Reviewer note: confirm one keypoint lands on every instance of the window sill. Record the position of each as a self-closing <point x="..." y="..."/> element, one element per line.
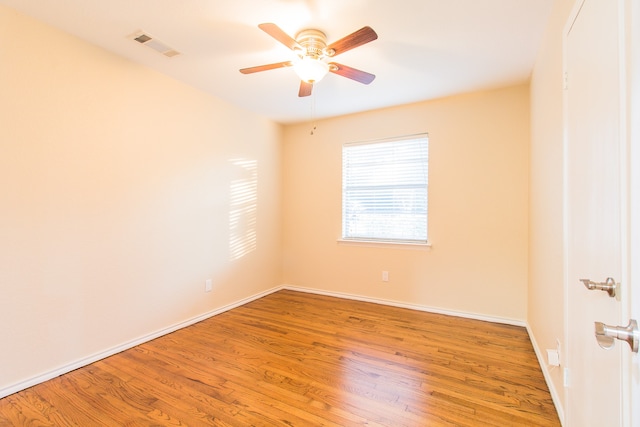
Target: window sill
<point x="383" y="244"/>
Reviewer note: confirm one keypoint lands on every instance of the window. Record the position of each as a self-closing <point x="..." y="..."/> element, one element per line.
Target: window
<point x="384" y="190"/>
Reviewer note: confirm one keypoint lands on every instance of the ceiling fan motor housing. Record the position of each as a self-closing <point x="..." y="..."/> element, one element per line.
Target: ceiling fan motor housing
<point x="314" y="42"/>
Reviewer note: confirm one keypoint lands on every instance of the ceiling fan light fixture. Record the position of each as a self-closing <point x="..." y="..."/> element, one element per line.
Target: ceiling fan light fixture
<point x="311" y="70"/>
<point x="311" y="47"/>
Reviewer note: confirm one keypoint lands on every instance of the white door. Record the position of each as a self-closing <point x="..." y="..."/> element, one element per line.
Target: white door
<point x="595" y="203"/>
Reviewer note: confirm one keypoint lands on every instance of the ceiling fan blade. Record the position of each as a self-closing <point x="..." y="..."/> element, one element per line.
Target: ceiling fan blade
<point x="276" y="32"/>
<point x="360" y="37"/>
<point x="266" y="67"/>
<point x="351" y="73"/>
<point x="305" y="88"/>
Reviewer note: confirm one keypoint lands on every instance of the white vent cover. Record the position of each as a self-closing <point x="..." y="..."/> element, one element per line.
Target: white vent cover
<point x="155" y="44"/>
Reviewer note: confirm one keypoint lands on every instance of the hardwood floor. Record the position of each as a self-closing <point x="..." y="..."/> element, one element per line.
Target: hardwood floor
<point x="296" y="359"/>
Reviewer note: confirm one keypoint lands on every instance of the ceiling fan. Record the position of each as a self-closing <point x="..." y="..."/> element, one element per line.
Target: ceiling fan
<point x="311" y="47"/>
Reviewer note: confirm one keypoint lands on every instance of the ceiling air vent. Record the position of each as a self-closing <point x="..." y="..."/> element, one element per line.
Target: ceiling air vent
<point x="153" y="43"/>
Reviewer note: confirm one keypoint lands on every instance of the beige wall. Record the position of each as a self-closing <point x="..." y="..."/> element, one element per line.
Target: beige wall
<point x="116" y="186"/>
<point x="546" y="270"/>
<point x="118" y="182"/>
<point x="478" y="207"/>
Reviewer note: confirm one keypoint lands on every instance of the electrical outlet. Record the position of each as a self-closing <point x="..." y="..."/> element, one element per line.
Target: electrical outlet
<point x="553" y="355"/>
<point x="207" y="285"/>
<point x="385" y="276"/>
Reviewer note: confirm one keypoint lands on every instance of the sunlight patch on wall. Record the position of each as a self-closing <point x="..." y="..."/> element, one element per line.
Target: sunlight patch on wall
<point x="243" y="209"/>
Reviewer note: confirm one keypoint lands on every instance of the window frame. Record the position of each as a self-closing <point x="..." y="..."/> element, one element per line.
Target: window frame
<point x="386" y="241"/>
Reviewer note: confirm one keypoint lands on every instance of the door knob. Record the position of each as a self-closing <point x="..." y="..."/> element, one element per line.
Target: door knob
<point x="609" y="286"/>
<point x="606" y="335"/>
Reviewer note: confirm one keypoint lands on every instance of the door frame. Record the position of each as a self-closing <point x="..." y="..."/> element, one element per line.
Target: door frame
<point x="631" y="383"/>
<point x="629" y="54"/>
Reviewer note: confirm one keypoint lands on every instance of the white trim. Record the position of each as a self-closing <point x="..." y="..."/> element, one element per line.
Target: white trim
<point x="14" y="388"/>
<point x="475" y="316"/>
<point x="626" y="380"/>
<point x="385" y="244"/>
<point x="633" y="141"/>
<point x="546" y="372"/>
<point x="573" y="15"/>
<point x="389" y="139"/>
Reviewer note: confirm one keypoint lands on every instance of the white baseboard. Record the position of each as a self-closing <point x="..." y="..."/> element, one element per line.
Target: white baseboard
<point x="14" y="388"/>
<point x="547" y="375"/>
<point x="493" y="319"/>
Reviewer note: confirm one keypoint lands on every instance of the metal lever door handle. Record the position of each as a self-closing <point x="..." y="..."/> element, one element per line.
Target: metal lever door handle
<point x="609" y="286"/>
<point x="606" y="335"/>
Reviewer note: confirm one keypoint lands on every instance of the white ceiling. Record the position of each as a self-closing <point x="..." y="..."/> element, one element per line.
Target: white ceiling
<point x="425" y="49"/>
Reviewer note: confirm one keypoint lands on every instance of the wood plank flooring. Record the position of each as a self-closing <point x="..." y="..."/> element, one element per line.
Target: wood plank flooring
<point x="297" y="359"/>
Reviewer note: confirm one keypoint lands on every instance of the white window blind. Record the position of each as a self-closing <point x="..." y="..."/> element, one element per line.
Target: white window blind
<point x="384" y="190"/>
